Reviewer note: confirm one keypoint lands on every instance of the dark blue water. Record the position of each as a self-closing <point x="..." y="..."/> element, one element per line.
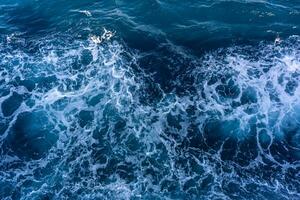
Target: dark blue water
<point x="152" y="99"/>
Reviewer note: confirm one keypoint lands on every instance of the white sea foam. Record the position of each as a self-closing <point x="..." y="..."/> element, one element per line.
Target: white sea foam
<point x="111" y="144"/>
<point x="291" y="62"/>
<point x="85" y="12"/>
<point x="107" y="35"/>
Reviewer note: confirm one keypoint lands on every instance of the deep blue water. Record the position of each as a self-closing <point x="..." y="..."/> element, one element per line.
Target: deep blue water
<point x="150" y="99"/>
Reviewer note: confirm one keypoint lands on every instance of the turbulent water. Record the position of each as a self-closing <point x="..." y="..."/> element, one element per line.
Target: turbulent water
<point x="152" y="99"/>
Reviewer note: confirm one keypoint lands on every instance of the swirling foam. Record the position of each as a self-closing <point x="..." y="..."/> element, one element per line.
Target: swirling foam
<point x="73" y="124"/>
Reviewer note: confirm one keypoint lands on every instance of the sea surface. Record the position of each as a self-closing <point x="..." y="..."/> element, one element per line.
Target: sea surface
<point x="150" y="99"/>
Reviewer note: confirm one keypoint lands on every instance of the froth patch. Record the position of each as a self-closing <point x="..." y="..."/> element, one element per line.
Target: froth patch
<point x="107" y="35"/>
<point x="291" y="62"/>
<point x="92" y="127"/>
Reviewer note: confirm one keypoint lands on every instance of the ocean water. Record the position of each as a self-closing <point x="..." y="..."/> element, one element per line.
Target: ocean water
<point x="152" y="99"/>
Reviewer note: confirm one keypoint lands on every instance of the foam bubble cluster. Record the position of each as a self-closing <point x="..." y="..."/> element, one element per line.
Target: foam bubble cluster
<point x="74" y="123"/>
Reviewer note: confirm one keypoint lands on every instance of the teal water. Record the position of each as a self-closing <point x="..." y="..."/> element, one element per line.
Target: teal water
<point x="152" y="99"/>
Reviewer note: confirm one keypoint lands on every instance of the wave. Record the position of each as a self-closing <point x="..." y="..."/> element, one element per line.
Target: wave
<point x="76" y="122"/>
